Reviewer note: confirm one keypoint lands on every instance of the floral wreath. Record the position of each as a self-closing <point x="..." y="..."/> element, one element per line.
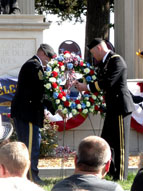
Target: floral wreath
<point x="65" y="68"/>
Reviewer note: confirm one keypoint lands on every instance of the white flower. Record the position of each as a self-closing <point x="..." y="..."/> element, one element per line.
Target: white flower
<point x="47" y="86"/>
<point x="85" y="111"/>
<point x="86" y="98"/>
<point x="94" y="97"/>
<point x="67" y="55"/>
<point x="60" y="107"/>
<point x="56" y="70"/>
<point x="63" y="98"/>
<point x="55" y="62"/>
<point x="101" y="98"/>
<point x="86" y="70"/>
<point x="52" y="79"/>
<point x="51" y="62"/>
<point x="94" y="77"/>
<point x="88" y="104"/>
<point x="57" y="101"/>
<point x="91" y="109"/>
<point x="65" y="111"/>
<point x="74" y="111"/>
<point x="78" y="106"/>
<point x="48" y="73"/>
<point x="63" y="68"/>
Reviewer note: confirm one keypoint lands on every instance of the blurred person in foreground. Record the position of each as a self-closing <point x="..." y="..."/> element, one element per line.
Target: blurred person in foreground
<point x="14" y="160"/>
<point x="92" y="163"/>
<point x="112" y="80"/>
<point x="28" y="104"/>
<point x="18" y="184"/>
<point x="138" y="180"/>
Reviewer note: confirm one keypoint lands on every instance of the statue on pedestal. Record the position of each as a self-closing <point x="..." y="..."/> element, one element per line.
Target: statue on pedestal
<point x="9" y="7"/>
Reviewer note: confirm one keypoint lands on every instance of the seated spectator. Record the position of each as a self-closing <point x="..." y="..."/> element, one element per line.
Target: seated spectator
<point x="138" y="180"/>
<point x="14" y="160"/>
<point x="18" y="184"/>
<point x="91" y="165"/>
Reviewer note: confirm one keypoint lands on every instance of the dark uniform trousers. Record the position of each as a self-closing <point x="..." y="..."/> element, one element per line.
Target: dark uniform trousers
<point x="27" y="110"/>
<point x="112" y="79"/>
<point x="116" y="131"/>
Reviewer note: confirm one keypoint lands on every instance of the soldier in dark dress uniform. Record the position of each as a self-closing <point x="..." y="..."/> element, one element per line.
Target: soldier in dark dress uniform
<point x="27" y="108"/>
<point x="112" y="79"/>
<point x="9" y="7"/>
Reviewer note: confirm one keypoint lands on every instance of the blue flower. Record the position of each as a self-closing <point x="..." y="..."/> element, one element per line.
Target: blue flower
<point x="60" y="58"/>
<point x="86" y="95"/>
<point x="88" y="78"/>
<point x="73" y="105"/>
<point x="48" y="69"/>
<point x="83" y="105"/>
<point x="68" y="97"/>
<point x="87" y="64"/>
<point x="69" y="66"/>
<point x="55" y="95"/>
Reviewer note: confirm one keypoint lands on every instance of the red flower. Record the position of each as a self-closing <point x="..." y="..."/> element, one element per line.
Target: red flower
<point x="86" y="92"/>
<point x="96" y="108"/>
<point x="60" y="88"/>
<point x="55" y="74"/>
<point x="60" y="95"/>
<point x="91" y="72"/>
<point x="54" y="56"/>
<point x="80" y="110"/>
<point x="96" y="93"/>
<point x="77" y="101"/>
<point x="60" y="63"/>
<point x="54" y="84"/>
<point x="66" y="103"/>
<point x="9" y="115"/>
<point x="65" y="52"/>
<point x="81" y="63"/>
<point x="91" y="100"/>
<point x="64" y="93"/>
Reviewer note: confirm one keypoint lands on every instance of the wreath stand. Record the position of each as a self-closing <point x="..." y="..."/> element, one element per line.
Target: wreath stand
<point x="64" y="130"/>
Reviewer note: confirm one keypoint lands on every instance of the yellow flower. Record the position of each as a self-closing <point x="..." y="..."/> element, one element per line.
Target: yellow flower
<point x="139" y="53"/>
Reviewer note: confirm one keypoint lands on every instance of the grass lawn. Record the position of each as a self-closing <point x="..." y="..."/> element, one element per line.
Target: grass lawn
<point x="126" y="184"/>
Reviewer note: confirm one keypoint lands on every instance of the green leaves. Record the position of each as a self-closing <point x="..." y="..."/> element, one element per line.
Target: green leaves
<point x="66" y="10"/>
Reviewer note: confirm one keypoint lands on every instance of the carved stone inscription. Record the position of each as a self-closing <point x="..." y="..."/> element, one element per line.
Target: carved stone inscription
<point x="13" y="54"/>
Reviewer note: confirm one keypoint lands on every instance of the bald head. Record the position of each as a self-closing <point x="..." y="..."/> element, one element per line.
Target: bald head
<point x="93" y="153"/>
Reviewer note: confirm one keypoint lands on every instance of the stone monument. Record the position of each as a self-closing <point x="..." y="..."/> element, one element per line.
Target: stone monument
<point x="20" y="36"/>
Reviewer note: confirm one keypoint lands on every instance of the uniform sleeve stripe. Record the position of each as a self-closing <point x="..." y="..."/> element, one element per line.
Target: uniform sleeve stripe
<point x="97" y="86"/>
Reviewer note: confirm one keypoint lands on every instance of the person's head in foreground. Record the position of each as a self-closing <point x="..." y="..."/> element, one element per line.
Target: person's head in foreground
<point x="18" y="184"/>
<point x="94" y="156"/>
<point x="98" y="48"/>
<point x="91" y="164"/>
<point x="14" y="160"/>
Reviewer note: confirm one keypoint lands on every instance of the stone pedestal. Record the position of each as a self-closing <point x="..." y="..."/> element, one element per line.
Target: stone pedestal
<point x="20" y="36"/>
<point x="27" y="6"/>
<point x="129" y="34"/>
<point x="125" y="33"/>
